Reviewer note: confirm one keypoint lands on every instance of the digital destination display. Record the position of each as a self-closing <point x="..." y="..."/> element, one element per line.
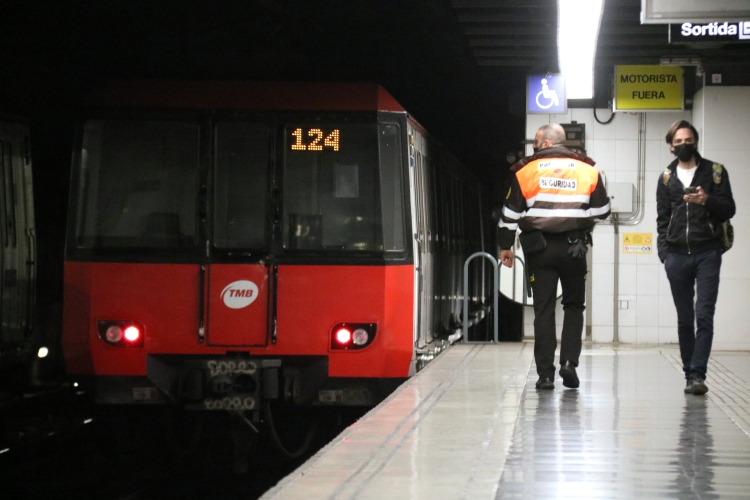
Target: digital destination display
<point x="315" y="139"/>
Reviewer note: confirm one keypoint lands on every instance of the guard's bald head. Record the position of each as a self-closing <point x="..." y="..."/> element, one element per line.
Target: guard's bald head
<point x="553" y="132"/>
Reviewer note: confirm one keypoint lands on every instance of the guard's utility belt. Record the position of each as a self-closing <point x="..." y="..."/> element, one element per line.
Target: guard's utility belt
<point x="535" y="241"/>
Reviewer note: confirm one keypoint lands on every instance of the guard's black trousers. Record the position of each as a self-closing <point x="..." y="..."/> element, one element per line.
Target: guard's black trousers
<point x="547" y="266"/>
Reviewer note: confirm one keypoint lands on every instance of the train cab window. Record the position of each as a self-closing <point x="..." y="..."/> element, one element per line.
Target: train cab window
<point x="241" y="185"/>
<point x="333" y="178"/>
<point x="138" y="184"/>
<point x="392" y="191"/>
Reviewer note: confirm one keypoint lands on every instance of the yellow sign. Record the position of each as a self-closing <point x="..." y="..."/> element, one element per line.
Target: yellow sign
<point x="644" y="88"/>
<point x="637" y="243"/>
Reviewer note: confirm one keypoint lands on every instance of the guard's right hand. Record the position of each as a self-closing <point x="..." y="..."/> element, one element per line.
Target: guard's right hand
<point x="506" y="257"/>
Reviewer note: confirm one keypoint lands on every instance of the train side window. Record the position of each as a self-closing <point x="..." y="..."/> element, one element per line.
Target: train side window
<point x="9" y="195"/>
<point x="241" y="185"/>
<point x="138" y="184"/>
<point x="392" y="192"/>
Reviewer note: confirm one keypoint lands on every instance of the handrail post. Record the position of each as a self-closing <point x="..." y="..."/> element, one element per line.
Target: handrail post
<point x="495" y="288"/>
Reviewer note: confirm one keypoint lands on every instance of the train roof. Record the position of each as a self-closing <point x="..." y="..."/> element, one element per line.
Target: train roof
<point x="249" y="95"/>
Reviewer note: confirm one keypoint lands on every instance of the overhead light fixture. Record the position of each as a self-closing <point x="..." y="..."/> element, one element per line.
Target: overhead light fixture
<point x="577" y="32"/>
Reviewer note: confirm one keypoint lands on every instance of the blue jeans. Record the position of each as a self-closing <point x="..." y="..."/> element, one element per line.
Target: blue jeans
<point x="686" y="274"/>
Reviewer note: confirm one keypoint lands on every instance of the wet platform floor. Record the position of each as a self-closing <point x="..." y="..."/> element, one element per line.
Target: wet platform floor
<point x="472" y="425"/>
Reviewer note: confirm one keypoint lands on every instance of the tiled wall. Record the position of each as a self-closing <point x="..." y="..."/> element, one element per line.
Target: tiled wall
<point x="722" y="117"/>
<point x="646" y="313"/>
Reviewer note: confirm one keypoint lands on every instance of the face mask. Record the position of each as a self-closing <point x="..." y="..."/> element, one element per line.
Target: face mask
<point x="684" y="151"/>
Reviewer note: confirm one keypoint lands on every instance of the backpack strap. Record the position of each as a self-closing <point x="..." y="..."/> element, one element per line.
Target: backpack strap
<point x="666" y="175"/>
<point x="718" y="169"/>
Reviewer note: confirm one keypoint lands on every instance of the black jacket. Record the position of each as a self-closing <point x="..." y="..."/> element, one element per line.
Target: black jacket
<point x="688" y="228"/>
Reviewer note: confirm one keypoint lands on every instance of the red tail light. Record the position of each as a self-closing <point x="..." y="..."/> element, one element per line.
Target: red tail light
<point x="343" y="336"/>
<point x="132" y="334"/>
<point x="352" y="336"/>
<point x="118" y="333"/>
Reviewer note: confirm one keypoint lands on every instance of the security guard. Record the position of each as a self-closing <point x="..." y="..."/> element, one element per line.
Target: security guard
<point x="555" y="195"/>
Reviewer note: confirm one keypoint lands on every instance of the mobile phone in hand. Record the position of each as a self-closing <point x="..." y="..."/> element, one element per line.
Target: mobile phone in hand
<point x="691" y="189"/>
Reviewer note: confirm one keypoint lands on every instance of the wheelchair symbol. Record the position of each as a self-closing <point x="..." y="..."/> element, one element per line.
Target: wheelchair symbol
<point x="547" y="93"/>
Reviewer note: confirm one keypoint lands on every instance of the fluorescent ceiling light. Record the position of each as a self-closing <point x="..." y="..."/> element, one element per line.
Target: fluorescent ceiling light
<point x="577" y="31"/>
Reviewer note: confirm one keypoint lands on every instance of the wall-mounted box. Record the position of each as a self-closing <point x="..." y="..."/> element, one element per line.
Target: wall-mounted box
<point x="622" y="196"/>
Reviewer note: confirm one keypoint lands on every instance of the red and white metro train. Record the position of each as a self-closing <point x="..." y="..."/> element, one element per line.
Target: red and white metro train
<point x="231" y="244"/>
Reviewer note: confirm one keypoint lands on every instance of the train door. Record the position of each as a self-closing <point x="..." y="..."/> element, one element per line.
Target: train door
<point x="237" y="274"/>
<point x="422" y="266"/>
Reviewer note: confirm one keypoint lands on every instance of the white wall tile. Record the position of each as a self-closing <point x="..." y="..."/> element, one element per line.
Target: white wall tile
<point x="627" y="334"/>
<point x="725" y="127"/>
<point x="603" y="249"/>
<point x="627" y="125"/>
<point x="648" y="311"/>
<point x="629" y="176"/>
<point x="560" y="118"/>
<point x="648" y="335"/>
<point x="729" y="320"/>
<point x="668" y="335"/>
<point x="628" y="284"/>
<point x="734" y="263"/>
<point x="602" y="333"/>
<point x="602" y="279"/>
<point x="627" y="155"/>
<point x="653" y="157"/>
<point x="606" y="156"/>
<point x="627" y="317"/>
<point x="601" y="310"/>
<point x="648" y="279"/>
<point x="648" y="223"/>
<point x="608" y="131"/>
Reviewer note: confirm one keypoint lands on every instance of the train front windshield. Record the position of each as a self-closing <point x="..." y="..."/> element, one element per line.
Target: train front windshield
<point x="335" y="196"/>
<point x="341" y="186"/>
<point x="138" y="185"/>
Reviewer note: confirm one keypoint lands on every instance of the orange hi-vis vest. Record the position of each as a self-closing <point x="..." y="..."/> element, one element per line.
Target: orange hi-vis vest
<point x="557" y="179"/>
<point x="555" y="195"/>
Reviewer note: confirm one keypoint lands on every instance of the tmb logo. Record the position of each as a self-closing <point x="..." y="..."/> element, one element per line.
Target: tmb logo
<point x="239" y="294"/>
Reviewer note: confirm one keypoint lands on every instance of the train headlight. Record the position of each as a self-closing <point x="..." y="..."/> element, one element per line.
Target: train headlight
<point x="352" y="336"/>
<point x="360" y="336"/>
<point x="113" y="334"/>
<point x="119" y="333"/>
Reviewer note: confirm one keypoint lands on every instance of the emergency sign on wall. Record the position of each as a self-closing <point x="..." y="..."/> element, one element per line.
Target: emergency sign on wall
<point x="546" y="94"/>
<point x="648" y="88"/>
<point x="637" y="243"/>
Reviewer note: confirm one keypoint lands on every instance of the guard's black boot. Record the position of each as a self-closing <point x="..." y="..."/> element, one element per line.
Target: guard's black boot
<point x="569" y="375"/>
<point x="545" y="383"/>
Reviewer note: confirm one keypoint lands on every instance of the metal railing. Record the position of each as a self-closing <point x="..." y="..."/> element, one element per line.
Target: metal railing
<point x="466" y="298"/>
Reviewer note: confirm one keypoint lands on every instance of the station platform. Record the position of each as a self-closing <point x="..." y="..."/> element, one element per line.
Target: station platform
<point x="471" y="425"/>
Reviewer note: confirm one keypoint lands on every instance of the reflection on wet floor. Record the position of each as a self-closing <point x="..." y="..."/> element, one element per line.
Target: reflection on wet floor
<point x="473" y="426"/>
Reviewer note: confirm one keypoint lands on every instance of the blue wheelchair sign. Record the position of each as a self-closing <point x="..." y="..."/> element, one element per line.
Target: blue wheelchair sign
<point x="546" y="94"/>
